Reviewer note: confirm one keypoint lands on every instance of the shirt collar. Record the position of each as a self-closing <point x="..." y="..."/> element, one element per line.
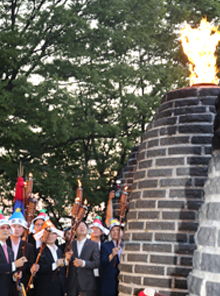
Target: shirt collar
<point x="82" y="241"/>
<point x="17" y="243"/>
<point x="52" y="249"/>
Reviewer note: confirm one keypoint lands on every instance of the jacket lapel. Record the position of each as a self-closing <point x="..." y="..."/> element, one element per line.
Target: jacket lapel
<point x="10" y="254"/>
<point x="49" y="255"/>
<point x="84" y="248"/>
<point x="20" y="249"/>
<point x="2" y="254"/>
<point x="74" y="248"/>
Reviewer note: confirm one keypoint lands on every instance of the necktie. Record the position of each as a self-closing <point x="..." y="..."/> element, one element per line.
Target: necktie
<point x="6" y="252"/>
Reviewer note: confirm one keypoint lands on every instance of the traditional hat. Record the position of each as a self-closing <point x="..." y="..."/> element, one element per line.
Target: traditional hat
<point x="114" y="222"/>
<point x="98" y="223"/>
<point x="3" y="221"/>
<point x="52" y="228"/>
<point x="147" y="292"/>
<point x="42" y="216"/>
<point x="18" y="218"/>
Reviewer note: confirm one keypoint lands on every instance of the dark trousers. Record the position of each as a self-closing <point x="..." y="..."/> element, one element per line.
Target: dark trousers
<point x="77" y="291"/>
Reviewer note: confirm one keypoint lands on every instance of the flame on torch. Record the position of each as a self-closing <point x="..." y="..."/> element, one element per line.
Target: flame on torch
<point x="200" y="45"/>
<point x="79" y="183"/>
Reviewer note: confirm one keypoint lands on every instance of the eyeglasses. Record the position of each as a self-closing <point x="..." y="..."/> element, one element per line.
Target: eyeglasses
<point x="3" y="227"/>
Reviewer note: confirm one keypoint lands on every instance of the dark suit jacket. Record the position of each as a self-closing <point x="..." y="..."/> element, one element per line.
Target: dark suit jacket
<point x="98" y="279"/>
<point x="29" y="254"/>
<point x="31" y="240"/>
<point x="7" y="285"/>
<point x="84" y="275"/>
<point x="45" y="286"/>
<point x="109" y="279"/>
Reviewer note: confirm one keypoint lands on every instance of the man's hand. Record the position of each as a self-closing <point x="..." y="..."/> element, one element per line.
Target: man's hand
<point x="115" y="251"/>
<point x="60" y="262"/>
<point x="17" y="275"/>
<point x="68" y="255"/>
<point x="111" y="194"/>
<point x="35" y="268"/>
<point x="77" y="262"/>
<point x="20" y="262"/>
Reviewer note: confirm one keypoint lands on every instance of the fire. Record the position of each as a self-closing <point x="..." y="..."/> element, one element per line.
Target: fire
<point x="200" y="45"/>
<point x="85" y="202"/>
<point x="79" y="183"/>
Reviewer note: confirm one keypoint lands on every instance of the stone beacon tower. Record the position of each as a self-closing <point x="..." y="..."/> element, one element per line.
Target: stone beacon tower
<point x="204" y="280"/>
<point x="167" y="191"/>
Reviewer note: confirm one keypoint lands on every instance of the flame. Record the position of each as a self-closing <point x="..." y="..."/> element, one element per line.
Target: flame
<point x="200" y="45"/>
<point x="35" y="196"/>
<point x="30" y="176"/>
<point x="79" y="183"/>
<point x="77" y="199"/>
<point x="126" y="188"/>
<point x="85" y="202"/>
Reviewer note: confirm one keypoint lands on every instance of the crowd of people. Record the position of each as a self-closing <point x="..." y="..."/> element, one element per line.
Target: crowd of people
<point x="88" y="267"/>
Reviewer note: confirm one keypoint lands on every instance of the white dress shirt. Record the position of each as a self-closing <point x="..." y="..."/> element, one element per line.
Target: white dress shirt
<point x="15" y="247"/>
<point x="53" y="251"/>
<point x="80" y="246"/>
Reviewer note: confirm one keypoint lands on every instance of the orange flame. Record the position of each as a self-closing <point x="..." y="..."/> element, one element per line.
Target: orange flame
<point x="77" y="199"/>
<point x="79" y="183"/>
<point x="200" y="45"/>
<point x="126" y="188"/>
<point x="85" y="202"/>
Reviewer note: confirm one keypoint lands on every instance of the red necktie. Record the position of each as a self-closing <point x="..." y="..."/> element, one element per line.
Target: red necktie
<point x="6" y="252"/>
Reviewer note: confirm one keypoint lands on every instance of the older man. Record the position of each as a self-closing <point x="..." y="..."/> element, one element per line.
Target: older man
<point x="7" y="264"/>
<point x="19" y="224"/>
<point x="85" y="258"/>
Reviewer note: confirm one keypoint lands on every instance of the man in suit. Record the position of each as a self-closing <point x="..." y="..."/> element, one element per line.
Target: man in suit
<point x="50" y="260"/>
<point x="85" y="258"/>
<point x="98" y="229"/>
<point x="7" y="264"/>
<point x="110" y="258"/>
<point x="15" y="242"/>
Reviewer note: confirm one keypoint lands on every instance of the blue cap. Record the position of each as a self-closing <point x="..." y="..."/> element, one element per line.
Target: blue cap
<point x="18" y="218"/>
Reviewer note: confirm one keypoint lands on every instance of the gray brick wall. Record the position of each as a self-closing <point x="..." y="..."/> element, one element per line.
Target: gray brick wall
<point x="166" y="193"/>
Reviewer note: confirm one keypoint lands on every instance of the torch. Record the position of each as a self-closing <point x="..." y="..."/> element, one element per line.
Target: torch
<point x="79" y="192"/>
<point x="44" y="241"/>
<point x="30" y="215"/>
<point x="123" y="208"/>
<point x="27" y="193"/>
